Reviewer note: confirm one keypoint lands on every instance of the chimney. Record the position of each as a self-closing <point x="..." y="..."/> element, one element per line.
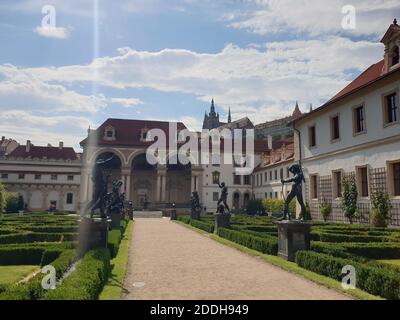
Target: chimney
<point x="28" y="145"/>
<point x="61" y="145"/>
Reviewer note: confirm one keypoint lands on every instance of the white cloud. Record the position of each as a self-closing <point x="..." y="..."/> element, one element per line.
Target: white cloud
<point x="275" y="74"/>
<point x="42" y="129"/>
<point x="126" y="102"/>
<point x="53" y="32"/>
<point x="314" y="17"/>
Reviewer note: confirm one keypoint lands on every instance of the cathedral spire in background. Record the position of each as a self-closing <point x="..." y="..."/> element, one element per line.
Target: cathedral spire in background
<point x="229" y="115"/>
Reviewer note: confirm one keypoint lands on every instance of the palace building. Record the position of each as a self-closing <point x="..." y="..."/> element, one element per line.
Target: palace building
<point x="45" y="176"/>
<point x="357" y="132"/>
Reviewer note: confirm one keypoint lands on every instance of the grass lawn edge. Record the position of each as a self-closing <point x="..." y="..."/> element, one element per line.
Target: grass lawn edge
<point x="288" y="266"/>
<point x="113" y="288"/>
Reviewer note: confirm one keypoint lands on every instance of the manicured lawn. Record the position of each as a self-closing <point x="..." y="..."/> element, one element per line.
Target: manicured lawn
<point x="395" y="262"/>
<point x="12" y="274"/>
<point x="113" y="288"/>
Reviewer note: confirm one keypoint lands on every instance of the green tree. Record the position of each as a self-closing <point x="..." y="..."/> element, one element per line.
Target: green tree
<point x="381" y="207"/>
<point x="348" y="201"/>
<point x="3" y="198"/>
<point x="325" y="209"/>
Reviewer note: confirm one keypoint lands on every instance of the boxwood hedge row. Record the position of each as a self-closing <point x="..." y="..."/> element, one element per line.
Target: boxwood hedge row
<point x="372" y="279"/>
<point x="264" y="245"/>
<point x="87" y="281"/>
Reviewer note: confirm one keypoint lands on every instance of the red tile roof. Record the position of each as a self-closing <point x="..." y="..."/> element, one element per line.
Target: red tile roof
<point x="128" y="132"/>
<point x="369" y="75"/>
<point x="65" y="153"/>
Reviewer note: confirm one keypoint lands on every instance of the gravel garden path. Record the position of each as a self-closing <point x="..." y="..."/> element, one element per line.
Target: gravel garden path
<point x="170" y="261"/>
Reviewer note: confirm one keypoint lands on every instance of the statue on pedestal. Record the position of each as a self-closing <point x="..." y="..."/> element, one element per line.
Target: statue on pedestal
<point x="297" y="191"/>
<point x="222" y="201"/>
<point x="195" y="205"/>
<point x="115" y="199"/>
<point x="100" y="176"/>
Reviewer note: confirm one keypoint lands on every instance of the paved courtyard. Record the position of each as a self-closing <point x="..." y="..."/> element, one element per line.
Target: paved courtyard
<point x="170" y="261"/>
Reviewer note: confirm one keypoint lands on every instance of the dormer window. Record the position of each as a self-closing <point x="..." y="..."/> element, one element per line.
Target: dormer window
<point x="109" y="133"/>
<point x="395" y="55"/>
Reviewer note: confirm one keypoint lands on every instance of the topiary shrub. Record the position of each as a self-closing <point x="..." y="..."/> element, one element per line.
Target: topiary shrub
<point x="255" y="207"/>
<point x="381" y="207"/>
<point x="348" y="201"/>
<point x="325" y="208"/>
<point x="3" y="198"/>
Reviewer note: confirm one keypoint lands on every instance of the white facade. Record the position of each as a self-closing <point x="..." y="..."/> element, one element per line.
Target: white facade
<point x="357" y="132"/>
<point x="43" y="183"/>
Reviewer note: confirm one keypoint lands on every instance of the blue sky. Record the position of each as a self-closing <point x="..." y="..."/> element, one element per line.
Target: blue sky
<point x="155" y="59"/>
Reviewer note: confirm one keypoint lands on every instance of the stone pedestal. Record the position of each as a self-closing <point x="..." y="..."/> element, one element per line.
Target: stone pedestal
<point x="292" y="237"/>
<point x="222" y="220"/>
<point x="173" y="214"/>
<point x="115" y="220"/>
<point x="93" y="233"/>
<point x="195" y="214"/>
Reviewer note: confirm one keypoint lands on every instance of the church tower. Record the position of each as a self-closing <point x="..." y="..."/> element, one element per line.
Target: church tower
<point x="229" y="116"/>
<point x="211" y="121"/>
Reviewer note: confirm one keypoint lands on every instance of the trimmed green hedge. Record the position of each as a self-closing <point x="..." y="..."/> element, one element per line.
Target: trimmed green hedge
<point x="206" y="226"/>
<point x="264" y="245"/>
<point x="114" y="239"/>
<point x="88" y="279"/>
<point x="33" y="290"/>
<point x="203" y="224"/>
<point x="371" y="250"/>
<point x="337" y="237"/>
<point x="29" y="236"/>
<point x="377" y="281"/>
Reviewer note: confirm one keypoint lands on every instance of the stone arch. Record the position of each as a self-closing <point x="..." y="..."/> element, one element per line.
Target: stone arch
<point x="144" y="181"/>
<point x="236" y="200"/>
<point x="179" y="182"/>
<point x="98" y="152"/>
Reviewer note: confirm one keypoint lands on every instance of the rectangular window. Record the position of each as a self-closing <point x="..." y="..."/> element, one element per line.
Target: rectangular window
<point x="265" y="177"/>
<point x="4" y="175"/>
<point x="215" y="196"/>
<point x="335" y="128"/>
<point x="53" y="177"/>
<point x="270" y="175"/>
<point x="287" y="173"/>
<point x="215" y="177"/>
<point x="38" y="176"/>
<point x="314" y="186"/>
<point x="337" y="184"/>
<point x="276" y="195"/>
<point x="312" y="136"/>
<point x="236" y="179"/>
<point x="270" y="195"/>
<point x="21" y="176"/>
<point x="391" y="109"/>
<point x="70" y="178"/>
<point x="247" y="180"/>
<point x="396" y="178"/>
<point x="276" y="174"/>
<point x="359" y="120"/>
<point x="362" y="177"/>
<point x="266" y="195"/>
<point x="70" y="198"/>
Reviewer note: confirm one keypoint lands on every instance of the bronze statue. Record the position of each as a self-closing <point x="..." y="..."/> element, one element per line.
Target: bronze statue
<point x="222" y="201"/>
<point x="115" y="199"/>
<point x="100" y="176"/>
<point x="195" y="205"/>
<point x="298" y="179"/>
